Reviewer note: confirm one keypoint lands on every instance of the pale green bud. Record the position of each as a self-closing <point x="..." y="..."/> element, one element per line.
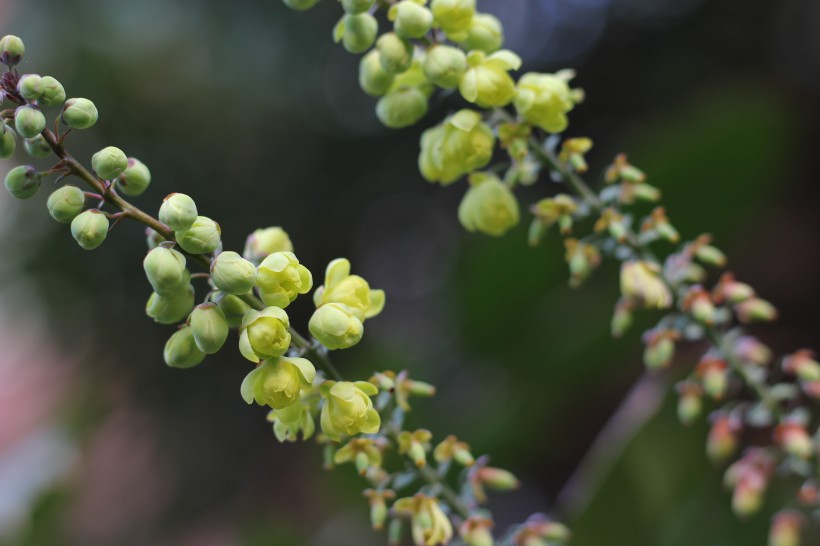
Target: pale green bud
<point x="209" y="326"/>
<point x="53" y="92"/>
<point x="29" y="121"/>
<point x="486" y="81"/>
<point x="109" y="163"/>
<point x="64" y="204"/>
<point x="410" y="19"/>
<point x="79" y="113"/>
<point x="134" y="180"/>
<point x="23" y="181"/>
<point x="300" y="5"/>
<point x="402" y="107"/>
<point x="354" y="7"/>
<point x="335" y="327"/>
<point x="278" y="383"/>
<point x="181" y="350"/>
<point x="373" y="78"/>
<point x="356" y="32"/>
<point x="233" y="274"/>
<point x="454" y="17"/>
<point x="7" y="141"/>
<point x="488" y="206"/>
<point x="264" y="334"/>
<point x="281" y="278"/>
<point x="264" y="242"/>
<point x="165" y="269"/>
<point x="178" y="212"/>
<point x="30" y="86"/>
<point x="233" y="307"/>
<point x="90" y="228"/>
<point x="444" y="65"/>
<point x="37" y="146"/>
<point x="202" y="237"/>
<point x="172" y="308"/>
<point x="485" y="34"/>
<point x="348" y="409"/>
<point x="395" y="53"/>
<point x="460" y="145"/>
<point x="544" y="100"/>
<point x="11" y="50"/>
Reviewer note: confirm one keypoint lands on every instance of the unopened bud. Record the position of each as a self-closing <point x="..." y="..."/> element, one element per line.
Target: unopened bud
<point x="357" y="32"/>
<point x="690" y="402"/>
<point x="11" y="50"/>
<point x="785" y="529"/>
<point x="64" y="204"/>
<point x="172" y="308"/>
<point x="794" y="439"/>
<point x="395" y="53"/>
<point x="373" y="78"/>
<point x="29" y="121"/>
<point x="209" y="326"/>
<point x="234" y="309"/>
<point x="621" y="318"/>
<point x="79" y="113"/>
<point x="233" y="274"/>
<point x="477" y="531"/>
<point x="497" y="478"/>
<point x="109" y="163"/>
<point x="165" y="269"/>
<point x="755" y="310"/>
<point x="204" y="236"/>
<point x="22" y="182"/>
<point x="264" y="242"/>
<point x="354" y="7"/>
<point x="178" y="212"/>
<point x="485" y="34"/>
<point x="7" y="141"/>
<point x="136" y="177"/>
<point x="53" y="92"/>
<point x="37" y="146"/>
<point x="714" y="376"/>
<point x="411" y="20"/>
<point x="722" y="441"/>
<point x="660" y="349"/>
<point x="30" y="86"/>
<point x="803" y="365"/>
<point x="181" y="350"/>
<point x="444" y="66"/>
<point x="402" y="107"/>
<point x="90" y="228"/>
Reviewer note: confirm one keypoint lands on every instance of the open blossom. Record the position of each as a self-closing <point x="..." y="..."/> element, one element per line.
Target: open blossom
<point x="430" y="526"/>
<point x="348" y="409"/>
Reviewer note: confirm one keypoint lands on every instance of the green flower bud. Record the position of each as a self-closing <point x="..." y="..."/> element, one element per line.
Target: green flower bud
<point x="64" y="204"/>
<point x="264" y="242"/>
<point x="29" y="121"/>
<point x="165" y="269"/>
<point x="486" y="34"/>
<point x="109" y="162"/>
<point x="264" y="334"/>
<point x="411" y="19"/>
<point x="233" y="307"/>
<point x="488" y="206"/>
<point x="356" y="32"/>
<point x="395" y="53"/>
<point x="37" y="146"/>
<point x="348" y="409"/>
<point x="233" y="274"/>
<point x="79" y="113"/>
<point x="352" y="291"/>
<point x="209" y="326"/>
<point x="152" y="238"/>
<point x="181" y="350"/>
<point x="170" y="309"/>
<point x="23" y="181"/>
<point x="136" y="177"/>
<point x="30" y="86"/>
<point x="453" y="17"/>
<point x="402" y="107"/>
<point x="486" y="81"/>
<point x="11" y="50"/>
<point x="53" y="92"/>
<point x="335" y="327"/>
<point x="178" y="212"/>
<point x="90" y="228"/>
<point x="445" y="65"/>
<point x="373" y="78"/>
<point x="281" y="278"/>
<point x="7" y="141"/>
<point x="544" y="100"/>
<point x="279" y="382"/>
<point x="300" y="5"/>
<point x="203" y="237"/>
<point x="354" y="7"/>
<point x="460" y="145"/>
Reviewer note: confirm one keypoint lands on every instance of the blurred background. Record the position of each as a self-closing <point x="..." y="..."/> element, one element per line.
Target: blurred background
<point x="252" y="109"/>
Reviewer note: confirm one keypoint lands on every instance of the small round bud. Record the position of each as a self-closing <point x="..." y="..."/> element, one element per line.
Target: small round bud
<point x="233" y="274"/>
<point x="53" y="92"/>
<point x="181" y="350"/>
<point x="37" y="146"/>
<point x="444" y="65"/>
<point x="209" y="326"/>
<point x="79" y="113"/>
<point x="334" y="327"/>
<point x="402" y="107"/>
<point x="264" y="242"/>
<point x="300" y="5"/>
<point x="172" y="308"/>
<point x="373" y="78"/>
<point x="488" y="206"/>
<point x="454" y="17"/>
<point x="109" y="162"/>
<point x="29" y="121"/>
<point x="7" y="141"/>
<point x="410" y="19"/>
<point x="461" y="144"/>
<point x="233" y="307"/>
<point x="395" y="53"/>
<point x="11" y="50"/>
<point x="134" y="180"/>
<point x="485" y="34"/>
<point x="64" y="204"/>
<point x="30" y="86"/>
<point x="23" y="181"/>
<point x="165" y="269"/>
<point x="359" y="32"/>
<point x="90" y="228"/>
<point x="354" y="7"/>
<point x="178" y="212"/>
<point x="202" y="237"/>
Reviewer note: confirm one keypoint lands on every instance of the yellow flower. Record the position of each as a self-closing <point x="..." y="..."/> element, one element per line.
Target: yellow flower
<point x="453" y="17"/>
<point x="264" y="334"/>
<point x="280" y="278"/>
<point x="642" y="284"/>
<point x="487" y="82"/>
<point x="349" y="290"/>
<point x="430" y="526"/>
<point x="458" y="146"/>
<point x="278" y="383"/>
<point x="545" y="99"/>
<point x="348" y="409"/>
<point x="263" y="242"/>
<point x="488" y="206"/>
<point x="335" y="326"/>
